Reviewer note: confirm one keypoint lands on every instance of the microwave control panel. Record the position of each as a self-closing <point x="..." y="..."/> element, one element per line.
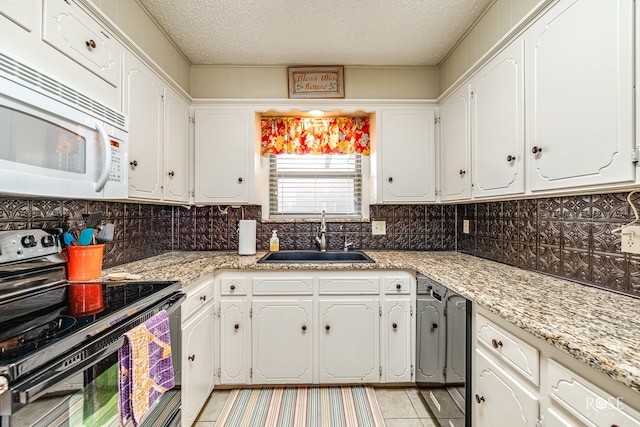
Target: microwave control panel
<point x="117" y="159"/>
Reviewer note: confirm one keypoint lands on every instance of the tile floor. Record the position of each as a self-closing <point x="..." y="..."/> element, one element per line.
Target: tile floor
<point x="400" y="406"/>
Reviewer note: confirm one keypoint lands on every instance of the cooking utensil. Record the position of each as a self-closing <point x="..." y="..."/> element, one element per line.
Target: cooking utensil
<point x="106" y="233"/>
<point x="92" y="220"/>
<point x="69" y="240"/>
<point x="86" y="236"/>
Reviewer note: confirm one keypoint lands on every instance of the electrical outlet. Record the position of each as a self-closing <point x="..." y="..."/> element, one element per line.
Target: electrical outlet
<point x="378" y="228"/>
<point x="465" y="226"/>
<point x="631" y="239"/>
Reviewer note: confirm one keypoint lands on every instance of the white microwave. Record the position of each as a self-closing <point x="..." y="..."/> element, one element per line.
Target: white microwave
<point x="56" y="141"/>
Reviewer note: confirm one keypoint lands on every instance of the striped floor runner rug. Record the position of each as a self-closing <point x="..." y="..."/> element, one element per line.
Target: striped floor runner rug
<point x="302" y="406"/>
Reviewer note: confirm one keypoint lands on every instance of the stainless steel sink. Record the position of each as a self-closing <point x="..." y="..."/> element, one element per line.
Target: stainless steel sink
<point x="315" y="257"/>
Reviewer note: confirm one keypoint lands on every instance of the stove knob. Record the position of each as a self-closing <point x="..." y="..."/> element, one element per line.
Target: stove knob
<point x="4" y="384"/>
<point x="29" y="241"/>
<point x="48" y="241"/>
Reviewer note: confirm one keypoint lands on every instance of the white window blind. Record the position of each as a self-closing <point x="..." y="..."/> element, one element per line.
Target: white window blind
<point x="304" y="185"/>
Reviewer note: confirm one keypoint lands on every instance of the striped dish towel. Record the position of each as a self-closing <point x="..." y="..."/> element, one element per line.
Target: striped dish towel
<point x="145" y="367"/>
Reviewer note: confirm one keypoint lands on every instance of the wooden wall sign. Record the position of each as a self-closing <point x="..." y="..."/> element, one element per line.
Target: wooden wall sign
<point x="316" y="82"/>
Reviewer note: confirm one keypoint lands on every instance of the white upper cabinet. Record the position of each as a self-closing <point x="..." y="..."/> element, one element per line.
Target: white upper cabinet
<point x="177" y="144"/>
<point x="74" y="33"/>
<point x="454" y="146"/>
<point x="223" y="155"/>
<point x="19" y="11"/>
<point x="407" y="155"/>
<point x="497" y="125"/>
<point x="579" y="59"/>
<point x="143" y="102"/>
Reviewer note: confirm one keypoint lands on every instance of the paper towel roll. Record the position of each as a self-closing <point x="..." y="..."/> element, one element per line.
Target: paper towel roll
<point x="247" y="237"/>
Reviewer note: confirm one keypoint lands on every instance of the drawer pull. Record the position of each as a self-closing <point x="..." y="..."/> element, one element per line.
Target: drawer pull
<point x="394" y="326"/>
<point x="236" y="326"/>
<point x="398" y="286"/>
<point x="495" y="343"/>
<point x="203" y="297"/>
<point x="192" y="357"/>
<point x="479" y="399"/>
<point x="232" y="287"/>
<point x="90" y="44"/>
<point x="304" y="328"/>
<point x="327" y="328"/>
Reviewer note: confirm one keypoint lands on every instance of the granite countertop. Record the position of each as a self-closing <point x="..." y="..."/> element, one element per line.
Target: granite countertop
<point x="597" y="327"/>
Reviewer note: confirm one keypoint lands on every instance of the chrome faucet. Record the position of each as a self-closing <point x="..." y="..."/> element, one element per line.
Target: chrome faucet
<point x="321" y="238"/>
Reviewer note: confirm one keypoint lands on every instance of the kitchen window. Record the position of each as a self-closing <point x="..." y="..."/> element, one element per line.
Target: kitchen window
<point x="316" y="164"/>
<point x="305" y="185"/>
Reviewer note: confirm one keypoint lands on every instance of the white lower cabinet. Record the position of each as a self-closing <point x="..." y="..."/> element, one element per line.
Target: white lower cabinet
<point x="310" y="327"/>
<point x="501" y="400"/>
<point x="282" y="341"/>
<point x="235" y="330"/>
<point x="197" y="363"/>
<point x="349" y="341"/>
<point x="520" y="380"/>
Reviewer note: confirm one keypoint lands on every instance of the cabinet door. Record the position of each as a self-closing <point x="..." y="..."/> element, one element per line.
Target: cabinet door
<point x="454" y="146"/>
<point x="500" y="400"/>
<point x="407" y="154"/>
<point x="431" y="340"/>
<point x="176" y="170"/>
<point x="398" y="332"/>
<point x="222" y="155"/>
<point x="456" y="328"/>
<point x="349" y="341"/>
<point x="497" y="123"/>
<point x="74" y="33"/>
<point x="234" y="342"/>
<point x="580" y="95"/>
<point x="197" y="364"/>
<point x="282" y="337"/>
<point x="144" y="104"/>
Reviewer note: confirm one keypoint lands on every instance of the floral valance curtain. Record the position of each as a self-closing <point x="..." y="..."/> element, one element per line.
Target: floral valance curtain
<point x="298" y="135"/>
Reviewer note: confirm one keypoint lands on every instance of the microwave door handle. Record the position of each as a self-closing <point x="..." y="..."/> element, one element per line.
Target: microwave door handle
<point x="106" y="158"/>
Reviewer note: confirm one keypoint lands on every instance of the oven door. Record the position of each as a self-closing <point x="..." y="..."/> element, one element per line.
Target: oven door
<point x="86" y="394"/>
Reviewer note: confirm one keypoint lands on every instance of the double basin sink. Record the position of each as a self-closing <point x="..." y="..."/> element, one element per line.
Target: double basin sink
<point x="315" y="257"/>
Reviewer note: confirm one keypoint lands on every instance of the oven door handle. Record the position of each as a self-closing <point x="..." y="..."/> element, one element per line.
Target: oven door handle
<point x="35" y="386"/>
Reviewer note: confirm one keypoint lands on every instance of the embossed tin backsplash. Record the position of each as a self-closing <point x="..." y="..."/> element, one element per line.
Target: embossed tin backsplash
<point x="567" y="236"/>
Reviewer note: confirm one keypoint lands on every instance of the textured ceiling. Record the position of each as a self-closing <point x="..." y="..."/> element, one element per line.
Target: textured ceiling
<point x="315" y="32"/>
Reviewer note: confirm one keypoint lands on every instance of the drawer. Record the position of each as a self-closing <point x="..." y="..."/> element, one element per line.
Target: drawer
<point x="521" y="356"/>
<point x="397" y="286"/>
<point x="349" y="285"/>
<point x="234" y="286"/>
<point x="282" y="285"/>
<point x="586" y="401"/>
<point x="198" y="295"/>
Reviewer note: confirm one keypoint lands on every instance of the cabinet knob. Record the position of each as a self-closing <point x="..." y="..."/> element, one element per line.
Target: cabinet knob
<point x="134" y="163"/>
<point x="192" y="357"/>
<point x="304" y="328"/>
<point x="479" y="399"/>
<point x="536" y="150"/>
<point x="462" y="172"/>
<point x="232" y="287"/>
<point x="390" y="179"/>
<point x="240" y="180"/>
<point x="495" y="343"/>
<point x="510" y="158"/>
<point x="398" y="286"/>
<point x="236" y="326"/>
<point x="394" y="326"/>
<point x="90" y="44"/>
<point x="327" y="327"/>
<point x="203" y="297"/>
<point x="434" y="326"/>
<point x="171" y="174"/>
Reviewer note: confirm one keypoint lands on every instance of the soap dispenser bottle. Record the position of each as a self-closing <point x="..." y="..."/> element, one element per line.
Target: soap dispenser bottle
<point x="274" y="242"/>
